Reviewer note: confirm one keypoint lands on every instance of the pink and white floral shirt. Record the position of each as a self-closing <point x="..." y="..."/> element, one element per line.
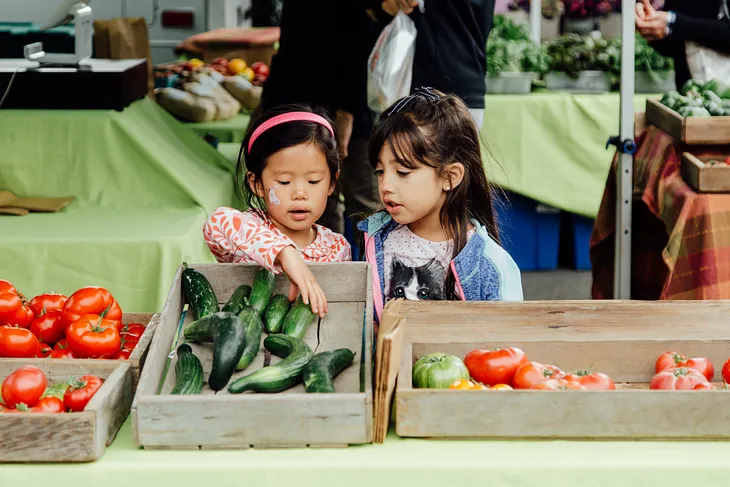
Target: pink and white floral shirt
<point x="246" y="237"/>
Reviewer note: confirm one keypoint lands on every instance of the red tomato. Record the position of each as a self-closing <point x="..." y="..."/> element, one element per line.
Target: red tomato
<point x="595" y="381"/>
<point x="49" y="404"/>
<point x="17" y="343"/>
<point x="260" y="68"/>
<point x="81" y="391"/>
<point x="132" y="330"/>
<point x="532" y="373"/>
<point x="61" y="344"/>
<point x="47" y="302"/>
<point x="7" y="287"/>
<point x="63" y="353"/>
<point x="43" y="350"/>
<point x="123" y="354"/>
<point x="704" y="387"/>
<point x="24" y="386"/>
<point x="48" y="327"/>
<point x="726" y="372"/>
<point x="559" y="385"/>
<point x="674" y="360"/>
<point x="92" y="300"/>
<point x="677" y="379"/>
<point x="494" y="366"/>
<point x="10" y="306"/>
<point x="93" y="337"/>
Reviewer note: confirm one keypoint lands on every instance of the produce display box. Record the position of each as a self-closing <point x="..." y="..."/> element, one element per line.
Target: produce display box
<point x="68" y="437"/>
<point x="286" y="420"/>
<point x="705" y="178"/>
<point x="136" y="359"/>
<point x="690" y="130"/>
<point x="620" y="338"/>
<point x="587" y="82"/>
<point x="510" y="83"/>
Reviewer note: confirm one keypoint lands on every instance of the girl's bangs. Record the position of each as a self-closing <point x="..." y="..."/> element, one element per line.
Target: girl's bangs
<point x="410" y="146"/>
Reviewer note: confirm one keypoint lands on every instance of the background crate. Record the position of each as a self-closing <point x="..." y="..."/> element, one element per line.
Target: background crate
<point x="68" y="437"/>
<point x="622" y="339"/>
<point x="288" y="419"/>
<point x="705" y="178"/>
<point x="529" y="232"/>
<point x="690" y="130"/>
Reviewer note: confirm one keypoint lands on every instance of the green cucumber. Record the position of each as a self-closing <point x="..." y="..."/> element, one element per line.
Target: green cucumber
<point x="238" y="299"/>
<point x="261" y="291"/>
<point x="198" y="293"/>
<point x="298" y="319"/>
<point x="252" y="323"/>
<point x="278" y="377"/>
<point x="324" y="367"/>
<point x="188" y="372"/>
<point x="275" y="313"/>
<point x="228" y="335"/>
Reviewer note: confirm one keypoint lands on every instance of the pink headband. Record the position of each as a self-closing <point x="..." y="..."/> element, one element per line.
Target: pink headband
<point x="288" y="117"/>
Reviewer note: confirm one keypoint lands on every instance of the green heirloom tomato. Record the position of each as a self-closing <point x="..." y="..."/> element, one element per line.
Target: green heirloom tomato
<point x="438" y="371"/>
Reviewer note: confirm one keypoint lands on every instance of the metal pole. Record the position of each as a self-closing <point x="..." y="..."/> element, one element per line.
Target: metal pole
<point x="536" y="20"/>
<point x="624" y="169"/>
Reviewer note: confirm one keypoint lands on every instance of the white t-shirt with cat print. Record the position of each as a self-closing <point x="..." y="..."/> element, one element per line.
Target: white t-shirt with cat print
<point x="415" y="268"/>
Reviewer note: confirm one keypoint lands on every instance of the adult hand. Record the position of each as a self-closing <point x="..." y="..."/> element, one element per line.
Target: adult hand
<point x="343" y="129"/>
<point x="392" y="6"/>
<point x="644" y="10"/>
<point x="653" y="28"/>
<point x="302" y="281"/>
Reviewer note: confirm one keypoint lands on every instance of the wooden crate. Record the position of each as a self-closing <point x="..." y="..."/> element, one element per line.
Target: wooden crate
<point x="704" y="178"/>
<point x="289" y="419"/>
<point x="68" y="437"/>
<point x="622" y="339"/>
<point x="136" y="358"/>
<point x="690" y="130"/>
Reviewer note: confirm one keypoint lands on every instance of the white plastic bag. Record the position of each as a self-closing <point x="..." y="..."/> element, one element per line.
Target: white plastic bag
<point x="390" y="66"/>
<point x="706" y="64"/>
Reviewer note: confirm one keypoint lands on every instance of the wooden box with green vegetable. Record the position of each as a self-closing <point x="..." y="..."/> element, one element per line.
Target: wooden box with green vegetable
<point x="565" y="370"/>
<point x="706" y="173"/>
<point x="699" y="115"/>
<point x="61" y="411"/>
<point x="234" y="364"/>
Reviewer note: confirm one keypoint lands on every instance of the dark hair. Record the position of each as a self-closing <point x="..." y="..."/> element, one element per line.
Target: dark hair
<point x="278" y="138"/>
<point x="437" y="131"/>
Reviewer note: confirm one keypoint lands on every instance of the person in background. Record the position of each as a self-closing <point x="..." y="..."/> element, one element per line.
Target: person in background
<point x="451" y="47"/>
<point x="681" y="21"/>
<point x="322" y="62"/>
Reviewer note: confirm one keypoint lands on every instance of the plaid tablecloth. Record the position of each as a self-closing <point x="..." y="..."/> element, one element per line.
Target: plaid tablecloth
<point x="681" y="239"/>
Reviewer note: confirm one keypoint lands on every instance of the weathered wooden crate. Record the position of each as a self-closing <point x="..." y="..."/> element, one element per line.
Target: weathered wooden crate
<point x="622" y="339"/>
<point x="690" y="130"/>
<point x="705" y="178"/>
<point x="136" y="359"/>
<point x="68" y="437"/>
<point x="289" y="419"/>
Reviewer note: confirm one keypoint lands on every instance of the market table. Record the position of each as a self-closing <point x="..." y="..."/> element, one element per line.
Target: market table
<point x="398" y="462"/>
<point x="681" y="239"/>
<point x="143" y="188"/>
<point x="548" y="146"/>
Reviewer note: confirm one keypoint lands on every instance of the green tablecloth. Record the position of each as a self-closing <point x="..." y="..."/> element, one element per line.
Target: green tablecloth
<point x="398" y="463"/>
<point x="143" y="188"/>
<point x="549" y="146"/>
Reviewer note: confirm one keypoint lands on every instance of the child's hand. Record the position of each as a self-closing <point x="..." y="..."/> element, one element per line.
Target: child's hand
<point x="302" y="280"/>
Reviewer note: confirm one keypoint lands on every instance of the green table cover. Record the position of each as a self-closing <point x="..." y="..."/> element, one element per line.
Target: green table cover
<point x="548" y="146"/>
<point x="397" y="463"/>
<point x="143" y="189"/>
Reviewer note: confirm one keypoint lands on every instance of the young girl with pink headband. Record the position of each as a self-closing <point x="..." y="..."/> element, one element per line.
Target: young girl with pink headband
<point x="288" y="165"/>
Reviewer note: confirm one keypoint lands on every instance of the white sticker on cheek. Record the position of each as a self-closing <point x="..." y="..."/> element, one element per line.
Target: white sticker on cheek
<point x="272" y="195"/>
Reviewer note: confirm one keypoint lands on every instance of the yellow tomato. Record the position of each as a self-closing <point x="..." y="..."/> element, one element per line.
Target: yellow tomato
<point x="248" y="73"/>
<point x="237" y="66"/>
<point x="462" y="384"/>
<point x="501" y="387"/>
<point x="196" y="63"/>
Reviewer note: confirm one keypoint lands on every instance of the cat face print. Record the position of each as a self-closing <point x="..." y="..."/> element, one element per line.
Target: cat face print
<point x="424" y="282"/>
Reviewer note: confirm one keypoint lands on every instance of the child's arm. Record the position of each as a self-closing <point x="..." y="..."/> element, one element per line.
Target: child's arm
<point x="233" y="236"/>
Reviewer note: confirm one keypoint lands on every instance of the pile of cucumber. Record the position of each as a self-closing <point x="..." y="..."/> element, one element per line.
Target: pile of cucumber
<point x="235" y="332"/>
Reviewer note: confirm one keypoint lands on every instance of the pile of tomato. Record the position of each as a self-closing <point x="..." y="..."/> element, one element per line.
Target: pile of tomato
<point x="87" y="324"/>
<point x="27" y="390"/>
<point x="509" y="368"/>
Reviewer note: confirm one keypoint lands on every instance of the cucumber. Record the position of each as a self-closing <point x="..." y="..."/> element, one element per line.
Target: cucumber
<point x="261" y="291"/>
<point x="298" y="319"/>
<point x="324" y="367"/>
<point x="188" y="372"/>
<point x="281" y="376"/>
<point x="228" y="335"/>
<point x="252" y="324"/>
<point x="275" y="313"/>
<point x="198" y="293"/>
<point x="238" y="299"/>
